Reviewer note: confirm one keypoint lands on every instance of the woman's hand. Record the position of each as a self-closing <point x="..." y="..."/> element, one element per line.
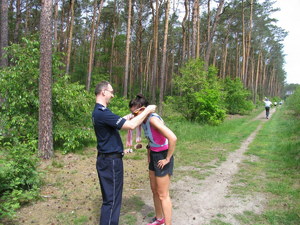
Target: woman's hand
<point x="161" y="163"/>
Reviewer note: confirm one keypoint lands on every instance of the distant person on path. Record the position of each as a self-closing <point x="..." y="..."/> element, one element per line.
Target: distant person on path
<point x="161" y="147"/>
<point x="110" y="151"/>
<point x="268" y="104"/>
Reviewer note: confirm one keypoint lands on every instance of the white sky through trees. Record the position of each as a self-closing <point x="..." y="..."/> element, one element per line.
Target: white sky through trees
<point x="289" y="19"/>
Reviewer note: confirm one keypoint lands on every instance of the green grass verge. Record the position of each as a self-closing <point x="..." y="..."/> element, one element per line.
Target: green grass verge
<point x="275" y="172"/>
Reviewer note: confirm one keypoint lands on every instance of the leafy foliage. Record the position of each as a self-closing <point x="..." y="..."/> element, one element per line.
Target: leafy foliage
<point x="119" y="106"/>
<point x="201" y="95"/>
<point x="293" y="101"/>
<point x="20" y="104"/>
<point x="236" y="99"/>
<point x="72" y="115"/>
<point x="20" y="180"/>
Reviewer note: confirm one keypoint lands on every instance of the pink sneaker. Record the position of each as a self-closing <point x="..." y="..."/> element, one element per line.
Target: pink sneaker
<point x="158" y="222"/>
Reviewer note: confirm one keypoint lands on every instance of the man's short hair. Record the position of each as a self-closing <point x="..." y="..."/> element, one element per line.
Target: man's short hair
<point x="100" y="86"/>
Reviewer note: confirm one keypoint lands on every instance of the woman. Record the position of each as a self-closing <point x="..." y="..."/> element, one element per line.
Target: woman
<point x="161" y="146"/>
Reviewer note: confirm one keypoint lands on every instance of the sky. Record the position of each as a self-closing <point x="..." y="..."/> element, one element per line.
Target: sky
<point x="289" y="19"/>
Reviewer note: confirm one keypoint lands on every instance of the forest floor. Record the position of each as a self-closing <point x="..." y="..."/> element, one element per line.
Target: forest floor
<point x="71" y="193"/>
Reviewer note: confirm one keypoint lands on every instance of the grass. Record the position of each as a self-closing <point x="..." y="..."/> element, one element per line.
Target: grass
<point x="130" y="208"/>
<point x="275" y="173"/>
<point x="204" y="146"/>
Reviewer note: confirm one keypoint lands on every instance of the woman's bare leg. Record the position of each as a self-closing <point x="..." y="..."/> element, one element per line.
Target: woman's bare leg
<point x="162" y="186"/>
<point x="156" y="200"/>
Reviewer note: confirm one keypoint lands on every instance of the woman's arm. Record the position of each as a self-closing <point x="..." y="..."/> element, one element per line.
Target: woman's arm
<point x="136" y="121"/>
<point x="167" y="133"/>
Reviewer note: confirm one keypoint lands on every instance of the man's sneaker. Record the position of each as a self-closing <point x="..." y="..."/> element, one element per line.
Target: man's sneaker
<point x="157" y="222"/>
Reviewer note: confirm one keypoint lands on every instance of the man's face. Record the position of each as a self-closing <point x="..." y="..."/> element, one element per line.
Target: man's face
<point x="108" y="93"/>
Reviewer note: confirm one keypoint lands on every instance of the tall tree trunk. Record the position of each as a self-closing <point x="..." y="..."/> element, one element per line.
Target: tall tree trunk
<point x="183" y="25"/>
<point x="113" y="42"/>
<point x="70" y="36"/>
<point x="213" y="30"/>
<point x="258" y="71"/>
<point x="140" y="46"/>
<point x="45" y="83"/>
<point x="164" y="58"/>
<point x="55" y="41"/>
<point x="198" y="33"/>
<point x="237" y="55"/>
<point x="194" y="33"/>
<point x="128" y="40"/>
<point x="91" y="55"/>
<point x="147" y="66"/>
<point x="248" y="40"/>
<point x="224" y="57"/>
<point x="243" y="77"/>
<point x="155" y="54"/>
<point x="4" y="33"/>
<point x="27" y="18"/>
<point x="18" y="21"/>
<point x="95" y="24"/>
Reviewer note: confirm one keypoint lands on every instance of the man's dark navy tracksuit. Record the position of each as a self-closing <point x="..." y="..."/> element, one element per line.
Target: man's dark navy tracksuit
<point x="109" y="162"/>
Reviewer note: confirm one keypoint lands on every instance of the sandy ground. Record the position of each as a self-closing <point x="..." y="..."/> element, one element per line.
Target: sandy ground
<point x="197" y="202"/>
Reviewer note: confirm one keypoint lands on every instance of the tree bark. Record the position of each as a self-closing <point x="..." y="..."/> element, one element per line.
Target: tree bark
<point x="95" y="24"/>
<point x="113" y="42"/>
<point x="198" y="33"/>
<point x="18" y="21"/>
<point x="213" y="30"/>
<point x="164" y="58"/>
<point x="248" y="41"/>
<point x="194" y="33"/>
<point x="45" y="145"/>
<point x="243" y="77"/>
<point x="183" y="25"/>
<point x="139" y="49"/>
<point x="55" y="41"/>
<point x="70" y="36"/>
<point x="155" y="54"/>
<point x="125" y="91"/>
<point x="4" y="33"/>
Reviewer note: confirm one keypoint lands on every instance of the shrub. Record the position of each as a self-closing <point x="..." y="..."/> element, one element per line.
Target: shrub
<point x="72" y="107"/>
<point x="20" y="180"/>
<point x="201" y="97"/>
<point x="119" y="106"/>
<point x="293" y="102"/>
<point x="236" y="99"/>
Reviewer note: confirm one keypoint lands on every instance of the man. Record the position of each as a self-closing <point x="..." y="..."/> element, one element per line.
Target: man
<point x="110" y="151"/>
<point x="267" y="106"/>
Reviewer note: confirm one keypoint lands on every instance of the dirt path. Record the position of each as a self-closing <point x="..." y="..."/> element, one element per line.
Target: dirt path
<point x="197" y="202"/>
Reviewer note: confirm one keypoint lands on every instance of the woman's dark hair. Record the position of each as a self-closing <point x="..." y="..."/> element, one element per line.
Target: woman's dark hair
<point x="139" y="101"/>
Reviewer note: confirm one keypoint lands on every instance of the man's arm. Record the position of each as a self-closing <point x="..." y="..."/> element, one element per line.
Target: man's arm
<point x="136" y="121"/>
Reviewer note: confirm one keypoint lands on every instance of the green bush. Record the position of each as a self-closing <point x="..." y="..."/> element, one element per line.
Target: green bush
<point x="201" y="97"/>
<point x="236" y="99"/>
<point x="19" y="178"/>
<point x="293" y="102"/>
<point x="72" y="105"/>
<point x="119" y="106"/>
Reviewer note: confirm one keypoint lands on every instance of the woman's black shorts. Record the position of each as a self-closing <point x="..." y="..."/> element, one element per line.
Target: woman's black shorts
<point x="155" y="157"/>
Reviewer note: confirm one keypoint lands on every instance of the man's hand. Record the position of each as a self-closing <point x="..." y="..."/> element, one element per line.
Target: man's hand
<point x="151" y="108"/>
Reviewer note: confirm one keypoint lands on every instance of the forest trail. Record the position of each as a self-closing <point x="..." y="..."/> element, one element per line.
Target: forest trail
<point x="71" y="194"/>
<point x="197" y="202"/>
